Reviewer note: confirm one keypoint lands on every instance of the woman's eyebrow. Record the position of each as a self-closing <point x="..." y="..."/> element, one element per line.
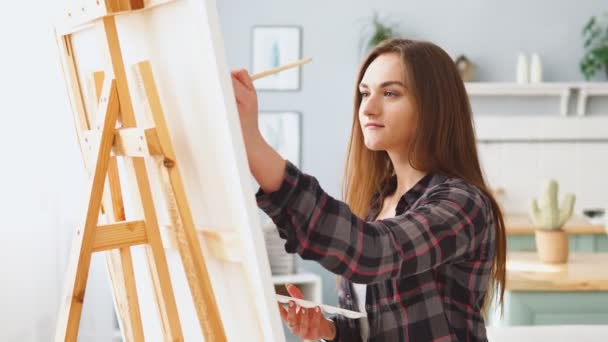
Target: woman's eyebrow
<point x="384" y="84"/>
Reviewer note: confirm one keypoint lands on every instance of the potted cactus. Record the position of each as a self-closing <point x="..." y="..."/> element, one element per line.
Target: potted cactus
<point x="551" y="239"/>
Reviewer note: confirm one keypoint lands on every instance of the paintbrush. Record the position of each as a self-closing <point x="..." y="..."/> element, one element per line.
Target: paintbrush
<point x="281" y="68"/>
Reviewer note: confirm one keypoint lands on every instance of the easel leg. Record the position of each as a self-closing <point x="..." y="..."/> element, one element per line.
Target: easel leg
<point x="120" y="267"/>
<point x="119" y="262"/>
<point x="80" y="258"/>
<point x="157" y="261"/>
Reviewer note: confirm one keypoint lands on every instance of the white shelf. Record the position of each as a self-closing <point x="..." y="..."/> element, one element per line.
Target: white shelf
<point x="586" y="90"/>
<point x="295" y="278"/>
<point x="516" y="89"/>
<point x="561" y="89"/>
<point x="540" y="89"/>
<point x="594" y="88"/>
<point x="309" y="283"/>
<point x="541" y="128"/>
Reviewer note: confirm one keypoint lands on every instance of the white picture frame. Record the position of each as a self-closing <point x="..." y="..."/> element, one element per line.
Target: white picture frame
<point x="282" y="130"/>
<point x="273" y="46"/>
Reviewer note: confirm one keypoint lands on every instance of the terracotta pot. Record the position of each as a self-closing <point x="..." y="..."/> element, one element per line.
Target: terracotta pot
<point x="552" y="246"/>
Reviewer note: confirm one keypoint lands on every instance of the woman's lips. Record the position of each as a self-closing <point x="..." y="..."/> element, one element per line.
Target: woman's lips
<point x="373" y="126"/>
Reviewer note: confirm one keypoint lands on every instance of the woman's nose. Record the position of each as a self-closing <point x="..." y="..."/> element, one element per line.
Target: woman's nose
<point x="370" y="106"/>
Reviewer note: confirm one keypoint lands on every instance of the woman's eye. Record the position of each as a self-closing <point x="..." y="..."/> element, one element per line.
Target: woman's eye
<point x="386" y="93"/>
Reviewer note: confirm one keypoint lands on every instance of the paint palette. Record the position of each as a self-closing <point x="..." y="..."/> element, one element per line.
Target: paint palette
<point x="326" y="308"/>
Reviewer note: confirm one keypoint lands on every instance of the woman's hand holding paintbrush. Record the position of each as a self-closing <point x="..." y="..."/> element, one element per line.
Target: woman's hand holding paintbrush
<point x="266" y="165"/>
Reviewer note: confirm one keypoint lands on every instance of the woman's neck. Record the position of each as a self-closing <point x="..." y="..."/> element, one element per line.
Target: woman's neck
<point x="407" y="176"/>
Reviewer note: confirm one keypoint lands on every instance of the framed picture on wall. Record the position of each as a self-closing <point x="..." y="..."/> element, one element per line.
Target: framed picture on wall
<point x="282" y="130"/>
<point x="273" y="46"/>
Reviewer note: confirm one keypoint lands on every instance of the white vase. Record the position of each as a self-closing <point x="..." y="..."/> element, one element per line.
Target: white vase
<point x="522" y="69"/>
<point x="536" y="69"/>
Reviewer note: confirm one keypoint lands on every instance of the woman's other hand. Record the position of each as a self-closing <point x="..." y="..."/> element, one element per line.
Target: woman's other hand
<point x="306" y="323"/>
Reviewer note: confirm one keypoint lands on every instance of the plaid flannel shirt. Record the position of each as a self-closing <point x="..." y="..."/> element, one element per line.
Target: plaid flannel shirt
<point x="426" y="269"/>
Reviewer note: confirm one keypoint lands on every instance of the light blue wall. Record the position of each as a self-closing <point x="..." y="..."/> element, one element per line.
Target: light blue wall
<point x="489" y="32"/>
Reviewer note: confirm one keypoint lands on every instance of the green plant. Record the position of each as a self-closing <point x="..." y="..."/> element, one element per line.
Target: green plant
<point x="595" y="35"/>
<point x="378" y="32"/>
<point x="550" y="216"/>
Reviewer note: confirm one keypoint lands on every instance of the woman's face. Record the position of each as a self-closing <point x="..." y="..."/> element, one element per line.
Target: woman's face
<point x="386" y="114"/>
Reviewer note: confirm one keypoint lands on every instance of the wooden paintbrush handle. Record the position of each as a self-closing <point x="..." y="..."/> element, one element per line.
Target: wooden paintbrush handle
<point x="281" y="68"/>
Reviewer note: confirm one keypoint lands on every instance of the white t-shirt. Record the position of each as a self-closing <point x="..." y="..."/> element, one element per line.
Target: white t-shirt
<point x="360" y="294"/>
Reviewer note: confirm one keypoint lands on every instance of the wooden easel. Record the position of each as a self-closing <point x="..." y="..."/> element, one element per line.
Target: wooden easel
<point x="109" y="132"/>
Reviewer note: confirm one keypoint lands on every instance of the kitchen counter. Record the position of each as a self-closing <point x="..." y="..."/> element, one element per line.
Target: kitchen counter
<point x="583" y="272"/>
<point x="546" y="294"/>
<point x="520" y="224"/>
<point x="583" y="235"/>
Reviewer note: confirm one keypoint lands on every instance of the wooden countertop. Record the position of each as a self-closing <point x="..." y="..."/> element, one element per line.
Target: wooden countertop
<point x="583" y="272"/>
<point x="520" y="224"/>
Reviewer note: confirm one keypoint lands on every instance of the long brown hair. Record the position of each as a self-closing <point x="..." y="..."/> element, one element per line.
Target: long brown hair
<point x="444" y="140"/>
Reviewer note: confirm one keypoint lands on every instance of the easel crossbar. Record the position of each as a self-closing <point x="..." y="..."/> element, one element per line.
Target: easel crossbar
<point x="118" y="235"/>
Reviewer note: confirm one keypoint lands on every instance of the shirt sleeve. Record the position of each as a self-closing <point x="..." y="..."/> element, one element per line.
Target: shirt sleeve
<point x="344" y="330"/>
<point x="451" y="222"/>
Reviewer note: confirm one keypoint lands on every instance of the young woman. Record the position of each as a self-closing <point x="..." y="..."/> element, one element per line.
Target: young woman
<point x="419" y="242"/>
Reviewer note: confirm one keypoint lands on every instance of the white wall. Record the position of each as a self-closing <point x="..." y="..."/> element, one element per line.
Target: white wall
<point x="41" y="180"/>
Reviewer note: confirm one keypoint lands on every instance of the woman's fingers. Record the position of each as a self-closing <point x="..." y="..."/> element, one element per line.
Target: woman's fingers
<point x="304" y="322"/>
<point x="298" y="321"/>
<point x="248" y="81"/>
<point x="239" y="88"/>
<point x="246" y="99"/>
<point x="291" y="315"/>
<point x="244" y="78"/>
<point x="294" y="291"/>
<point x="283" y="312"/>
<point x="315" y="317"/>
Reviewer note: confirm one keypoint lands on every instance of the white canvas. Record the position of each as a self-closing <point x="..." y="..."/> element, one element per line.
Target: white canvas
<point x="183" y="42"/>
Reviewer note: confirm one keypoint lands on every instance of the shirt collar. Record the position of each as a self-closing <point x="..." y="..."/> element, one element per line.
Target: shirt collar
<point x="409" y="198"/>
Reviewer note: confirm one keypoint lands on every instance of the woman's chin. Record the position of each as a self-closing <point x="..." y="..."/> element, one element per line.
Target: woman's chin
<point x="374" y="146"/>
